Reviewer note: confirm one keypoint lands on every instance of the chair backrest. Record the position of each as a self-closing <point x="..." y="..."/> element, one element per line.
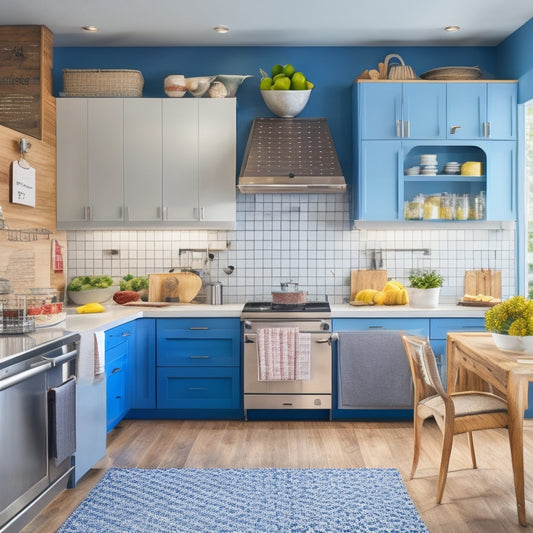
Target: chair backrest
<point x="423" y="368"/>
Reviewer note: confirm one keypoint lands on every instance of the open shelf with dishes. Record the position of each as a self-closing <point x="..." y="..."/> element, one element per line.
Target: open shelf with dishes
<point x="444" y="182"/>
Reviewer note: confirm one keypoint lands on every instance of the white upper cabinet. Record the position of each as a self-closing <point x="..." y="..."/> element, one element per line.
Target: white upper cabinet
<point x="143" y="162"/>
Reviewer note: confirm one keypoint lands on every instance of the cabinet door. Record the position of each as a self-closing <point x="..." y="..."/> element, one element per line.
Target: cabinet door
<point x="501" y="179"/>
<point x="378" y="189"/>
<point x="216" y="160"/>
<point x="180" y="159"/>
<point x="72" y="195"/>
<point x="466" y="110"/>
<point x="424" y="110"/>
<point x="142" y="365"/>
<point x="104" y="159"/>
<point x="117" y="399"/>
<point x="142" y="159"/>
<point x="501" y="110"/>
<point x="379" y="110"/>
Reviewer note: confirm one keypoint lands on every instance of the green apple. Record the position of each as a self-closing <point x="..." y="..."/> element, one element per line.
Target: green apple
<point x="298" y="82"/>
<point x="282" y="84"/>
<point x="288" y="70"/>
<point x="277" y="69"/>
<point x="265" y="84"/>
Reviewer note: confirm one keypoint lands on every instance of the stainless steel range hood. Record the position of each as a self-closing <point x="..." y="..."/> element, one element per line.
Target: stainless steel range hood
<point x="290" y="155"/>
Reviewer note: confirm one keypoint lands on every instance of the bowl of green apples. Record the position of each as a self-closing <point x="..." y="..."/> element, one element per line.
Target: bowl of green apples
<point x="286" y="91"/>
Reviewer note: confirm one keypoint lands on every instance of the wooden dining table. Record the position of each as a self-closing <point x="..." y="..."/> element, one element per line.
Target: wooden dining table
<point x="476" y="363"/>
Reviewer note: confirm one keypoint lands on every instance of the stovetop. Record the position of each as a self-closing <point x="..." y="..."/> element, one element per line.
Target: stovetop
<point x="269" y="307"/>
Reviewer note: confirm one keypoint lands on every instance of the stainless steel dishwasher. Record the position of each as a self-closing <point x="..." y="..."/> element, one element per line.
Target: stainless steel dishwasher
<point x="37" y="420"/>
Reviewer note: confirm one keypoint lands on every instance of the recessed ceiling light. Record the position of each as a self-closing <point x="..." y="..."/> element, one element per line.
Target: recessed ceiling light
<point x="221" y="29"/>
<point x="452" y="29"/>
<point x="89" y="28"/>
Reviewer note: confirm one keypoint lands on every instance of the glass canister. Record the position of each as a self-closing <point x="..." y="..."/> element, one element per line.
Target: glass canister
<point x="432" y="207"/>
<point x="446" y="206"/>
<point x="477" y="207"/>
<point x="462" y="204"/>
<point x="414" y="209"/>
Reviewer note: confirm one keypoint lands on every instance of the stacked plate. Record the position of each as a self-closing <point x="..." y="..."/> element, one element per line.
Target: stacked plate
<point x="412" y="171"/>
<point x="428" y="163"/>
<point x="452" y="168"/>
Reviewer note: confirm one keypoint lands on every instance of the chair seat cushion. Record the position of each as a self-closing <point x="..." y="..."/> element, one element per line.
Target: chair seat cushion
<point x="468" y="403"/>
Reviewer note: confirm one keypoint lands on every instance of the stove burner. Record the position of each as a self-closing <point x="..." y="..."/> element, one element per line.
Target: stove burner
<point x="269" y="307"/>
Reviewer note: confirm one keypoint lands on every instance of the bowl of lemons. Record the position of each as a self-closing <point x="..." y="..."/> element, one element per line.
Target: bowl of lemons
<point x="286" y="91"/>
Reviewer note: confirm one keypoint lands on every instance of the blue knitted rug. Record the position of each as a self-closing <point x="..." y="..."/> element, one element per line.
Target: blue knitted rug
<point x="246" y="501"/>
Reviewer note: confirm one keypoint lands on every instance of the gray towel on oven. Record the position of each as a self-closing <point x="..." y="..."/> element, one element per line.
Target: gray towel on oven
<point x="373" y="370"/>
<point x="62" y="416"/>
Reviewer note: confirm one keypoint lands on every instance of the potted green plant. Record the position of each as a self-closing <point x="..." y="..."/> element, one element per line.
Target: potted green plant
<point x="511" y="324"/>
<point x="424" y="290"/>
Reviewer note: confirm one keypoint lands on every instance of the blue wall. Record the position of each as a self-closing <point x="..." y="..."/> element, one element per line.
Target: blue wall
<point x="514" y="58"/>
<point x="332" y="69"/>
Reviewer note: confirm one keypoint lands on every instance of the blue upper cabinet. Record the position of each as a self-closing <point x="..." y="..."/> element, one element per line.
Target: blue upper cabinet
<point x="481" y="111"/>
<point x="402" y="110"/>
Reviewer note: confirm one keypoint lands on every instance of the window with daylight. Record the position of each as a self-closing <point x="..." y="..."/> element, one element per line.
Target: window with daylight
<point x="529" y="181"/>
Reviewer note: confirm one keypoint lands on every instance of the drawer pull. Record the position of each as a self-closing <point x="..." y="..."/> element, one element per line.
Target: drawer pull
<point x="199" y="357"/>
<point x="287" y="403"/>
<point x="198" y="388"/>
<point x="376" y="327"/>
<point x="115" y="370"/>
<point x="202" y="328"/>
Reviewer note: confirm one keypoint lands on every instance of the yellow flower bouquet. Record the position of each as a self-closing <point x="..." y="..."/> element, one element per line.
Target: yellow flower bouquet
<point x="511" y="317"/>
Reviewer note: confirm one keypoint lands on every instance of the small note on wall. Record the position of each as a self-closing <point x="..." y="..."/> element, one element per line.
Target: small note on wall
<point x="22" y="184"/>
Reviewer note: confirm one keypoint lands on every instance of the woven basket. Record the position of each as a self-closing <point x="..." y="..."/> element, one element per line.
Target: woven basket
<point x="102" y="82"/>
<point x="398" y="72"/>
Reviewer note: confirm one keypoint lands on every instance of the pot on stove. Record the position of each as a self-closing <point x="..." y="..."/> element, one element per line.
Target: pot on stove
<point x="289" y="294"/>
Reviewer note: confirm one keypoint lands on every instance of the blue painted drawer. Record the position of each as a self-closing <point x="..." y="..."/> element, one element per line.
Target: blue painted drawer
<point x="439" y="327"/>
<point x="117" y="401"/>
<point x="118" y="335"/>
<point x="191" y="388"/>
<point x="204" y="343"/>
<point x="414" y="326"/>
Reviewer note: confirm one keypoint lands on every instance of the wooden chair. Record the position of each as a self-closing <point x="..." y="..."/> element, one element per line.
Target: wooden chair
<point x="461" y="412"/>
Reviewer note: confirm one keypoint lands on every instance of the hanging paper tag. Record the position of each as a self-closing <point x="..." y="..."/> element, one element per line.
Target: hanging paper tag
<point x="23" y="184"/>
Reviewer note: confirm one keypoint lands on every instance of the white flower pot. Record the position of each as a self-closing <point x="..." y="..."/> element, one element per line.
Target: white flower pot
<point x="423" y="297"/>
<point x="512" y="343"/>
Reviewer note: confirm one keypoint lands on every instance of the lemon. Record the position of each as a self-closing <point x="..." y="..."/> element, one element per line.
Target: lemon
<point x="309" y="85"/>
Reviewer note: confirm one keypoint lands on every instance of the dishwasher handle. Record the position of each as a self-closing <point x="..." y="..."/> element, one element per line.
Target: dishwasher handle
<point x="23" y="376"/>
<point x="59" y="360"/>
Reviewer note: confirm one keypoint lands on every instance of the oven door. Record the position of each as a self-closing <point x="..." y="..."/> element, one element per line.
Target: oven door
<point x="319" y="383"/>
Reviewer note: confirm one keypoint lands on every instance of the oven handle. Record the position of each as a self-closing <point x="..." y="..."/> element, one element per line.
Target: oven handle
<point x="329" y="339"/>
<point x="23" y="376"/>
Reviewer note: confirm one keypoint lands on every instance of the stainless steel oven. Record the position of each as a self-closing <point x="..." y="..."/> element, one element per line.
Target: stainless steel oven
<point x="315" y="393"/>
<point x="37" y="420"/>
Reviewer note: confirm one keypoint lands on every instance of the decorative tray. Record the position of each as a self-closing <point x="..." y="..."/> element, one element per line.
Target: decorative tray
<point x="452" y="73"/>
<point x="470" y="303"/>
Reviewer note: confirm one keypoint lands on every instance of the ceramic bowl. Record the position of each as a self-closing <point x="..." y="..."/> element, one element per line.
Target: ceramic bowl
<point x="92" y="295"/>
<point x="286" y="104"/>
<point x="232" y="82"/>
<point x="198" y="86"/>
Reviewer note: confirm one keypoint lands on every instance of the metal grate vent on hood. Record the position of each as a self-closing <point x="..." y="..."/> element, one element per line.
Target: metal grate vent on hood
<point x="290" y="155"/>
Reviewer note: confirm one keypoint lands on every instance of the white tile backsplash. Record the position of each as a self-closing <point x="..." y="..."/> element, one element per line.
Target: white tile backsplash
<point x="306" y="238"/>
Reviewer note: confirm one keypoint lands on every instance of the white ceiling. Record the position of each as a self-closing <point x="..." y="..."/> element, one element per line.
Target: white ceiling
<point x="272" y="22"/>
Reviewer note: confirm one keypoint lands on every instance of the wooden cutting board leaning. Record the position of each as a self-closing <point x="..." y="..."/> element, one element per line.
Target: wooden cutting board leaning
<point x="178" y="287"/>
<point x="366" y="279"/>
<point x="487" y="283"/>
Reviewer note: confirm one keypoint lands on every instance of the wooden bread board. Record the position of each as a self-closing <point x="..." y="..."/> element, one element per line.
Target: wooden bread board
<point x="366" y="279"/>
<point x="487" y="282"/>
<point x="140" y="303"/>
<point x="174" y="287"/>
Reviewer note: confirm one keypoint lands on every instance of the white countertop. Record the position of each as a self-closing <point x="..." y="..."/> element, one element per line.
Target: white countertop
<point x="115" y="314"/>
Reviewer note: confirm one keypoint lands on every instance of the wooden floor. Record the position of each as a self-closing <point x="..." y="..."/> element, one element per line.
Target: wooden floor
<point x="479" y="500"/>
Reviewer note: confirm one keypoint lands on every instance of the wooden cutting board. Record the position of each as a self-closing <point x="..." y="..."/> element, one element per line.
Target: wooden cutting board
<point x="367" y="279"/>
<point x="179" y="287"/>
<point x="487" y="282"/>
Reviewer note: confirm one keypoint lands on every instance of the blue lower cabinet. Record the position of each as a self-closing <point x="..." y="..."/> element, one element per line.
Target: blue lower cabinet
<point x="198" y="388"/>
<point x="117" y="392"/>
<point x="142" y="364"/>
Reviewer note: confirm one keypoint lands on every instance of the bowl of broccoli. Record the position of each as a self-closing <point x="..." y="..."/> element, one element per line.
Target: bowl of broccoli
<point x="91" y="289"/>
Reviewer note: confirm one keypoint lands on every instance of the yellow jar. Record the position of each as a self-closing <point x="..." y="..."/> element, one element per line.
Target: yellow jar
<point x="471" y="168"/>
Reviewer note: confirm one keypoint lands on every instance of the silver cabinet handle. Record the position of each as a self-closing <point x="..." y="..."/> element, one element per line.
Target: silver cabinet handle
<point x="116" y="370"/>
<point x="486" y="129"/>
<point x="88" y="213"/>
<point x="126" y="213"/>
<point x="192" y="328"/>
<point x="453" y="129"/>
<point x="199" y="357"/>
<point x="202" y="213"/>
<point x="407" y="130"/>
<point x="399" y="127"/>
